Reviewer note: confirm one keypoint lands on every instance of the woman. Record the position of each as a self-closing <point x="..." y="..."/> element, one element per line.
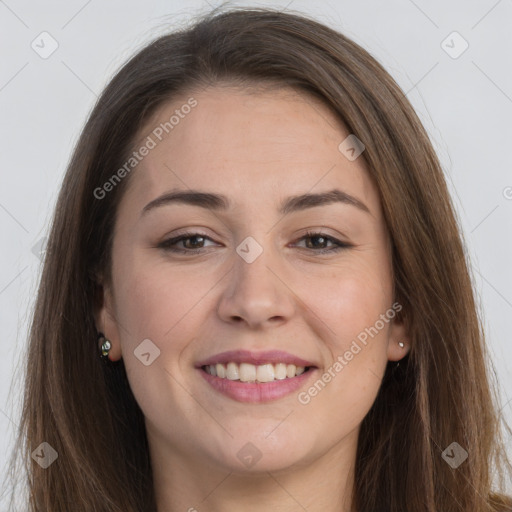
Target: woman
<point x="255" y="235"/>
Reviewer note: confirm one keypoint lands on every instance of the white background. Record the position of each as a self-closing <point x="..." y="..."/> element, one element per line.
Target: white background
<point x="465" y="104"/>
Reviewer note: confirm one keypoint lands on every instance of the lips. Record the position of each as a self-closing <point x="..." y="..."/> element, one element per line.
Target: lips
<point x="254" y="358"/>
<point x="255" y="376"/>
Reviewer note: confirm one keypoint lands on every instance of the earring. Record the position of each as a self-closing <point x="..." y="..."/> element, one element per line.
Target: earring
<point x="105" y="346"/>
<point x="401" y="344"/>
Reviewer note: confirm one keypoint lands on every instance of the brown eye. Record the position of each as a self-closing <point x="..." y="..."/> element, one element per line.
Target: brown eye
<point x="191" y="243"/>
<point x="317" y="242"/>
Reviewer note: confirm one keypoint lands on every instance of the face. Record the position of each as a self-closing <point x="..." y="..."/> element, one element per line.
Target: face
<point x="261" y="288"/>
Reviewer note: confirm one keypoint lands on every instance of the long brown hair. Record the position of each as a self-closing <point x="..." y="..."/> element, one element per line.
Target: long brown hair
<point x="441" y="393"/>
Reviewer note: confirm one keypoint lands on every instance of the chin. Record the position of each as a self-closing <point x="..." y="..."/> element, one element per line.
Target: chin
<point x="255" y="451"/>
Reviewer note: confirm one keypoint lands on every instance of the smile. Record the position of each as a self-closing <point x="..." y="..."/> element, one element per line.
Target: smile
<point x="256" y="377"/>
<point x="246" y="372"/>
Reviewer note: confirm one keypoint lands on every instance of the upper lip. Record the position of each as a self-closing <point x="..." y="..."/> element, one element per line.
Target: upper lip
<point x="255" y="358"/>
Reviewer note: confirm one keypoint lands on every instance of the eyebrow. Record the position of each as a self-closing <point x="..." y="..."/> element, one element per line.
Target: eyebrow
<point x="220" y="202"/>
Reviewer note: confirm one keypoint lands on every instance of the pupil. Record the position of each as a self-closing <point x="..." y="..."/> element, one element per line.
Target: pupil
<point x="317" y="238"/>
<point x="192" y="238"/>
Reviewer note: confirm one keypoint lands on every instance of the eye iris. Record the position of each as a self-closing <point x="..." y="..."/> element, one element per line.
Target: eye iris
<point x="193" y="246"/>
<point x="317" y="237"/>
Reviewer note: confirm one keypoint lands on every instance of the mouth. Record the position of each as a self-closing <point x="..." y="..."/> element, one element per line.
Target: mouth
<point x="246" y="372"/>
<point x="256" y="377"/>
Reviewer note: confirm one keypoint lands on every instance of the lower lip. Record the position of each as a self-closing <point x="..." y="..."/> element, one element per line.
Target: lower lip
<point x="255" y="392"/>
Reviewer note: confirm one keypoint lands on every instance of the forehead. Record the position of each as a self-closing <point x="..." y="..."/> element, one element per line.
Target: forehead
<point x="247" y="144"/>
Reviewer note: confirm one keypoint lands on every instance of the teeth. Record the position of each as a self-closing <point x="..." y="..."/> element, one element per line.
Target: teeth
<point x="280" y="371"/>
<point x="232" y="372"/>
<point x="246" y="372"/>
<point x="265" y="373"/>
<point x="220" y="370"/>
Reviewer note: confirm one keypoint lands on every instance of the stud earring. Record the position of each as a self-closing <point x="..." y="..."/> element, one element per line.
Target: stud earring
<point x="401" y="344"/>
<point x="105" y="346"/>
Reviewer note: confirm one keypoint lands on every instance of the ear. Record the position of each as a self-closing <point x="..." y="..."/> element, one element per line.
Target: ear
<point x="398" y="333"/>
<point x="105" y="320"/>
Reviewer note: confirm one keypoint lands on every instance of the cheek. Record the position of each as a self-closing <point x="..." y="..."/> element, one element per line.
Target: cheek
<point x="355" y="306"/>
<point x="153" y="303"/>
<point x="353" y="297"/>
<point x="360" y="335"/>
<point x="158" y="300"/>
<point x="155" y="299"/>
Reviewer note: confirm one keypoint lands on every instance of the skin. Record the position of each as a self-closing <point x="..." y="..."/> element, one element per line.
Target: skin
<point x="256" y="147"/>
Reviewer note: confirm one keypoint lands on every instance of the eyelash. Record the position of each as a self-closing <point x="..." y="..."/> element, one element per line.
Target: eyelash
<point x="167" y="244"/>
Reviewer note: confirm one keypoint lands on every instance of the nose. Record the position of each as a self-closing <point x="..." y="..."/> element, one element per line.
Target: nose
<point x="256" y="293"/>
